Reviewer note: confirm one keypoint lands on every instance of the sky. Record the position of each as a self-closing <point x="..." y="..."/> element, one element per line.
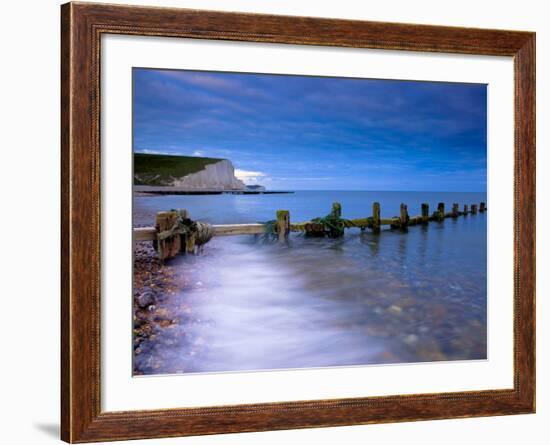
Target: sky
<point x="318" y="133"/>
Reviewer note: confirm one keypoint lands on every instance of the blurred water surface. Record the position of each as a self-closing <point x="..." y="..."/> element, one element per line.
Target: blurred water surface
<point x="313" y="302"/>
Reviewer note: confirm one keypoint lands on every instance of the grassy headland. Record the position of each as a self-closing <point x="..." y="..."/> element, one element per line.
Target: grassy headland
<point x="152" y="169"/>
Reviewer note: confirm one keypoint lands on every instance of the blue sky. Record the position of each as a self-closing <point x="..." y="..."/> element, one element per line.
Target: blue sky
<point x="318" y="133"/>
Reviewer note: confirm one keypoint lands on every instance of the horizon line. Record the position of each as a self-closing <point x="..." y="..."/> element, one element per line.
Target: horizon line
<point x="368" y="190"/>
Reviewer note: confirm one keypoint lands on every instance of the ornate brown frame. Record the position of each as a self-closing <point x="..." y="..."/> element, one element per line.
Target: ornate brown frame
<point x="82" y="25"/>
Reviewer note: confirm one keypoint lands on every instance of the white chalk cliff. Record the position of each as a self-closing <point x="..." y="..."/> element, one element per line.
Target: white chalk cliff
<point x="217" y="176"/>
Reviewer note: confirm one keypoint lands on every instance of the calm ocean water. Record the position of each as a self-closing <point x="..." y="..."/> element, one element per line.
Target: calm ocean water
<point x="363" y="299"/>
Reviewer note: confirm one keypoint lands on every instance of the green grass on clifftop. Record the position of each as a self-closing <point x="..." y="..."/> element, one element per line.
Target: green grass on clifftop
<point x="151" y="169"/>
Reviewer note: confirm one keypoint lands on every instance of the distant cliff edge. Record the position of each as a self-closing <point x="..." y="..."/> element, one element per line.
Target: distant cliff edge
<point x="185" y="172"/>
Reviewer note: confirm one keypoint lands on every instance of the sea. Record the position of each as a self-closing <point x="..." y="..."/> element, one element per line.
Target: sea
<point x="363" y="299"/>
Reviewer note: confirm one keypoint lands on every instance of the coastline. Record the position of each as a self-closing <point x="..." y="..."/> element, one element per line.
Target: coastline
<point x="154" y="321"/>
<point x="145" y="190"/>
<point x="151" y="280"/>
<point x="163" y="317"/>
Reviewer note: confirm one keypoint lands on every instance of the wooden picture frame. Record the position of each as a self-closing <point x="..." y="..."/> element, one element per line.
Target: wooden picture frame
<point x="82" y="26"/>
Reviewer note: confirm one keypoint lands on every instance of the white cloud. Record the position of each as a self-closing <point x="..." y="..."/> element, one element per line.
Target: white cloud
<point x="250" y="177"/>
<point x="198" y="153"/>
<point x="153" y="152"/>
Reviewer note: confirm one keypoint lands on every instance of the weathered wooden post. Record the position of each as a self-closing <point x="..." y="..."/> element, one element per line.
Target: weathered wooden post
<point x="376" y="217"/>
<point x="425" y="212"/>
<point x="440" y="211"/>
<point x="455" y="210"/>
<point x="481" y="207"/>
<point x="187" y="242"/>
<point x="168" y="245"/>
<point x="403" y="216"/>
<point x="465" y="212"/>
<point x="190" y="242"/>
<point x="283" y="224"/>
<point x="336" y="210"/>
<point x="473" y="209"/>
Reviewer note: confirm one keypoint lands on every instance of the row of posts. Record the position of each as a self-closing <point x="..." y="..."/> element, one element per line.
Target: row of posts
<point x="402" y="221"/>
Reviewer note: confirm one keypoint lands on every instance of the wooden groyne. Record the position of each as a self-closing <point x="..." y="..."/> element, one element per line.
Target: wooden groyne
<point x="175" y="232"/>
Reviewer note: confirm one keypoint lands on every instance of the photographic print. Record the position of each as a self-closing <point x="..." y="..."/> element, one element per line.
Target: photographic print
<point x="291" y="222"/>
